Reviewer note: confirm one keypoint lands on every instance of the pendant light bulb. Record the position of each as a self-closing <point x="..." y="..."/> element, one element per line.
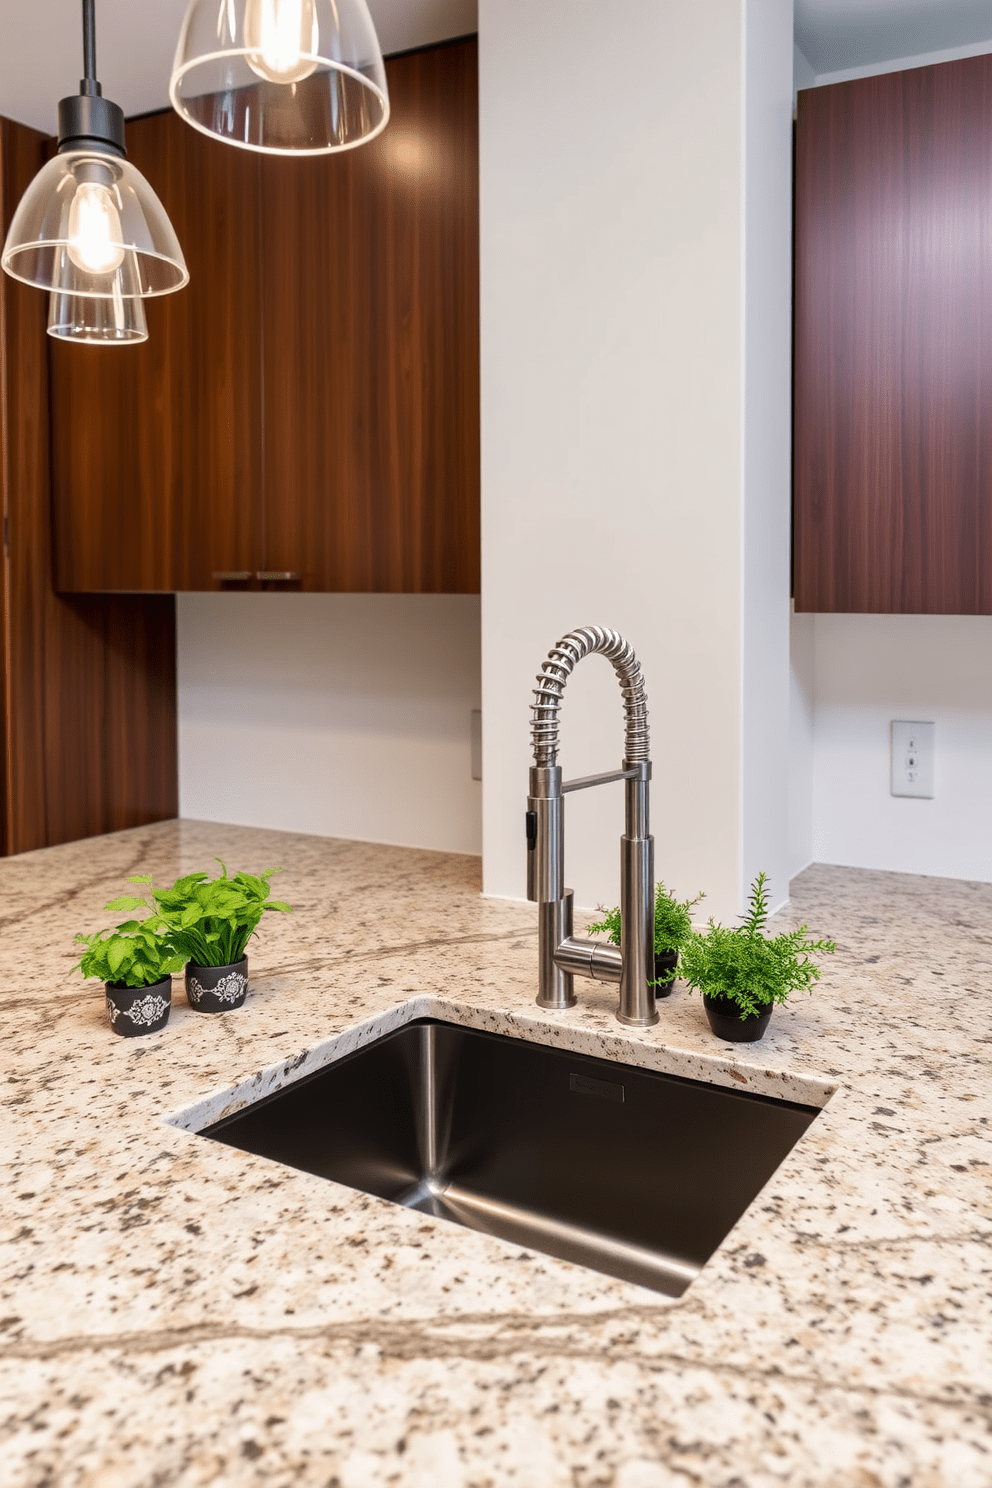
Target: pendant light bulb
<point x="96" y="243"/>
<point x="282" y="37"/>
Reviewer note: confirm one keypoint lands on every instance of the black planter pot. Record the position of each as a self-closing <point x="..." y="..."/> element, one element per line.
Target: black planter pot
<point x="217" y="989"/>
<point x="727" y="1023"/>
<point x="665" y="963"/>
<point x="137" y="1010"/>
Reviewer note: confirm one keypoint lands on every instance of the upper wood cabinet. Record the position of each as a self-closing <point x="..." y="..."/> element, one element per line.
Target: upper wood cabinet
<point x="309" y="405"/>
<point x="893" y="373"/>
<point x="157" y="448"/>
<point x="370" y="263"/>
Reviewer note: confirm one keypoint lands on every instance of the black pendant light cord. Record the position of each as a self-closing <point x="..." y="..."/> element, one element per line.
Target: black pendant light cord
<point x="89" y="84"/>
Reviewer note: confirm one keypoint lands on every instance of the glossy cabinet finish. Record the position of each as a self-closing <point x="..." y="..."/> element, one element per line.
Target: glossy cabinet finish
<point x="893" y="389"/>
<point x="89" y="703"/>
<point x="306" y="413"/>
<point x="157" y="448"/>
<point x="371" y="334"/>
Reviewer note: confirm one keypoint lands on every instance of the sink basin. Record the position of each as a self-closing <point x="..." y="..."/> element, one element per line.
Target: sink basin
<point x="634" y="1173"/>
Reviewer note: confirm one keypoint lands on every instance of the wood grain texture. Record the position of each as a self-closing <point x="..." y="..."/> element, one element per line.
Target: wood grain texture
<point x="157" y="448"/>
<point x="893" y="387"/>
<point x="371" y="345"/>
<point x="90" y="696"/>
<point x="310" y="403"/>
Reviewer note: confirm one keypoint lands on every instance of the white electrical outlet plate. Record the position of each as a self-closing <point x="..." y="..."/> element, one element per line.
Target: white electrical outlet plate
<point x="912" y="759"/>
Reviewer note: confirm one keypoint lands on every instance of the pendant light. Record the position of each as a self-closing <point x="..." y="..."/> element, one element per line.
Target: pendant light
<point x="87" y="320"/>
<point x="89" y="226"/>
<point x="286" y="77"/>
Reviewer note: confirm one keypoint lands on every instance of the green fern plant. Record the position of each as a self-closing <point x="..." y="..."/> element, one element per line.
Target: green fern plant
<point x="136" y="953"/>
<point x="672" y="921"/>
<point x="747" y="967"/>
<point x="208" y="920"/>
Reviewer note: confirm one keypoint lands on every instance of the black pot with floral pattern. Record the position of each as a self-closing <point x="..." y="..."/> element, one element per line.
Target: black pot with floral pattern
<point x="217" y="989"/>
<point x="137" y="1010"/>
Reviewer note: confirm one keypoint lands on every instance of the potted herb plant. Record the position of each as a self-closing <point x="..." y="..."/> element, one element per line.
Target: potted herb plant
<point x="135" y="961"/>
<point x="210" y="921"/>
<point x="672" y="928"/>
<point x="742" y="972"/>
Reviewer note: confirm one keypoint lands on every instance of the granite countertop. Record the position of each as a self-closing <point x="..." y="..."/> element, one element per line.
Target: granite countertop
<point x="177" y="1312"/>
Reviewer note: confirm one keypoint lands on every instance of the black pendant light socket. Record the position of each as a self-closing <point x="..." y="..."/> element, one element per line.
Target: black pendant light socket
<point x="89" y="121"/>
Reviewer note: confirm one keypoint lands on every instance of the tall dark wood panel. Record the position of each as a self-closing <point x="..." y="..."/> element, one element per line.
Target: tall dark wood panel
<point x="157" y="448"/>
<point x="893" y="423"/>
<point x="89" y="704"/>
<point x="371" y="343"/>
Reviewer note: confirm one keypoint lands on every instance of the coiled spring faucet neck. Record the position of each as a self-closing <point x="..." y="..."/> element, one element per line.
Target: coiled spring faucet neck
<point x="550" y="689"/>
<point x="562" y="957"/>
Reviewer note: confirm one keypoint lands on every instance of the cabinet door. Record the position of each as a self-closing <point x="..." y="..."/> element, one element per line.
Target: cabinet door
<point x="893" y="413"/>
<point x="157" y="449"/>
<point x="371" y="345"/>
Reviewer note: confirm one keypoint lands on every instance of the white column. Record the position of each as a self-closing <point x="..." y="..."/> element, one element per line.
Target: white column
<point x="767" y="341"/>
<point x="614" y="292"/>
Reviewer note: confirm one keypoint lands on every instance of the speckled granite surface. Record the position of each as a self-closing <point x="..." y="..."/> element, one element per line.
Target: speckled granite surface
<point x="175" y="1312"/>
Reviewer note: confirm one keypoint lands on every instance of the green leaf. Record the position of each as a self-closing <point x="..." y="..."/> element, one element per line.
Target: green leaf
<point x="127" y="902"/>
<point x="116" y="951"/>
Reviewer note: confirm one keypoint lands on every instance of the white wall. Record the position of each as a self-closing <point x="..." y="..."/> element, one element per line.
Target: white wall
<point x="802" y="703"/>
<point x="842" y="34"/>
<point x="767" y="440"/>
<point x="344" y="714"/>
<point x="868" y="670"/>
<point x="803" y="74"/>
<point x="806" y="76"/>
<point x="903" y="64"/>
<point x="613" y="316"/>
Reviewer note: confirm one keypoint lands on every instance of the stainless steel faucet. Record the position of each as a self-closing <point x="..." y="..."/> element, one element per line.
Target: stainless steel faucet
<point x="562" y="957"/>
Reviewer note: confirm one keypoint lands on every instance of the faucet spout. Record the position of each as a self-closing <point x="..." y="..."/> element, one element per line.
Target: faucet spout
<point x="562" y="956"/>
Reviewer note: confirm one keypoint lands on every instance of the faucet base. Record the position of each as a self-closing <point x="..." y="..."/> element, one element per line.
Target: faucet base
<point x="557" y="1007"/>
<point x="638" y="1022"/>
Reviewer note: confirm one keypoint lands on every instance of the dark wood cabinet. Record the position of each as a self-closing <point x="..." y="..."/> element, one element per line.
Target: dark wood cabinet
<point x="89" y="702"/>
<point x="371" y="336"/>
<point x="893" y="372"/>
<point x="157" y="448"/>
<point x="309" y="405"/>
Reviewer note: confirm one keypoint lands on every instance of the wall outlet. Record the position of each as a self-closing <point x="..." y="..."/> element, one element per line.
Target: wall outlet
<point x="912" y="759"/>
<point x="476" y="743"/>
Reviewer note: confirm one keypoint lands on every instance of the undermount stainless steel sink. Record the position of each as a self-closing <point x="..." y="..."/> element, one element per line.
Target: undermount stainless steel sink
<point x="634" y="1173"/>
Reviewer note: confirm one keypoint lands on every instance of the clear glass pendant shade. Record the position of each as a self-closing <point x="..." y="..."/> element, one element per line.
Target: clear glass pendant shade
<point x="90" y="226"/>
<point x="87" y="320"/>
<point x="281" y="76"/>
